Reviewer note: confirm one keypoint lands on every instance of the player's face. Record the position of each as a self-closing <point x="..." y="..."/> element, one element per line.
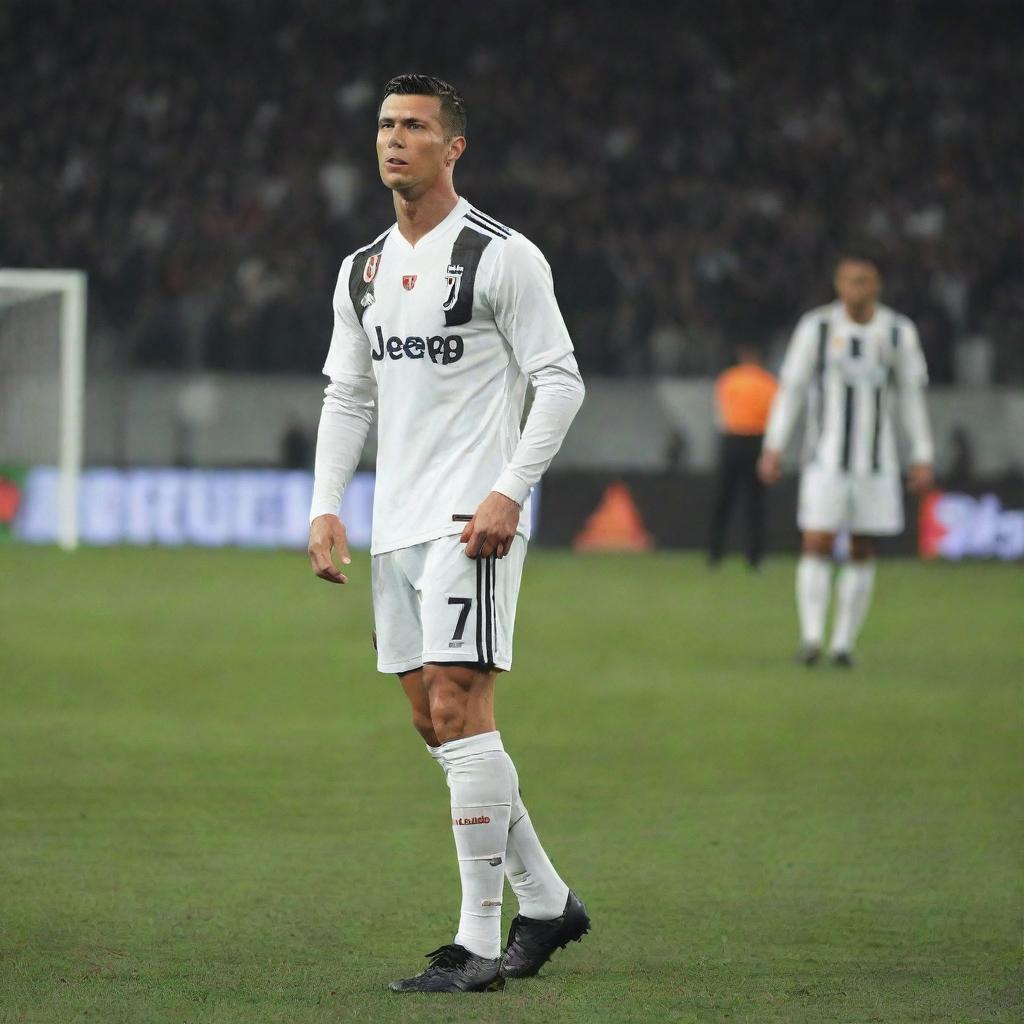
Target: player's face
<point x="858" y="284"/>
<point x="412" y="152"/>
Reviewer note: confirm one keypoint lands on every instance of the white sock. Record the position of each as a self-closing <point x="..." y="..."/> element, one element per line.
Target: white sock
<point x="481" y="790"/>
<point x="536" y="883"/>
<point x="813" y="581"/>
<point x="853" y="595"/>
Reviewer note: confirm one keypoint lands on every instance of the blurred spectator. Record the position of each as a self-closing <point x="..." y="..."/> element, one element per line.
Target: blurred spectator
<point x="689" y="171"/>
<point x="960" y="473"/>
<point x="296" y="451"/>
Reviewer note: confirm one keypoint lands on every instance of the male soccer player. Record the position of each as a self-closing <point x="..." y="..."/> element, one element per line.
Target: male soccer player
<point x="843" y="359"/>
<point x="441" y="322"/>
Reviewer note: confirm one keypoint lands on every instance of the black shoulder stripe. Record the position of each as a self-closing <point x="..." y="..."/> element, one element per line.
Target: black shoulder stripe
<point x="490" y="220"/>
<point x="360" y="289"/>
<point x="462" y="265"/>
<point x="491" y="232"/>
<point x="895" y="335"/>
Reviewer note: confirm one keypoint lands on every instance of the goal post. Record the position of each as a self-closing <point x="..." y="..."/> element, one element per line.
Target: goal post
<point x="19" y="287"/>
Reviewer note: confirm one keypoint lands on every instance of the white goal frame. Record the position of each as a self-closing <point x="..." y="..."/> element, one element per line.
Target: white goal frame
<point x="71" y="286"/>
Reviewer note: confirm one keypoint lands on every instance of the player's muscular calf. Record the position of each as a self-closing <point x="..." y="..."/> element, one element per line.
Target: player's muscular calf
<point x="419" y="703"/>
<point x="492" y="528"/>
<point x="327" y="534"/>
<point x="461" y="699"/>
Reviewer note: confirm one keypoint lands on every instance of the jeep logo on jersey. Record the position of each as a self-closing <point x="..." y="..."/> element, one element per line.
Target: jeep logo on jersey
<point x="453" y="278"/>
<point x="439" y="350"/>
<point x="370" y="270"/>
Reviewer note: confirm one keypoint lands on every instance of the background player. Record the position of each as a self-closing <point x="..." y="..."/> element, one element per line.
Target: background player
<point x="842" y="360"/>
<point x="441" y="321"/>
<point x="743" y="401"/>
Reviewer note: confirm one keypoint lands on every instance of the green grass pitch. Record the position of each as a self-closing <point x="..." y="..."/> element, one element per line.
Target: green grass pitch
<point x="212" y="809"/>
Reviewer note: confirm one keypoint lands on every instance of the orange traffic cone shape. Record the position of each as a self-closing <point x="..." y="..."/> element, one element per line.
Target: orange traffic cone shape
<point x="615" y="525"/>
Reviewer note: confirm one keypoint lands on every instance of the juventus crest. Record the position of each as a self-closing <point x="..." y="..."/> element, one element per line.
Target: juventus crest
<point x="453" y="278"/>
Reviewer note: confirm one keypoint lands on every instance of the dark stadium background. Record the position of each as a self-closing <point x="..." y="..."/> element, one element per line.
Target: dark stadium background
<point x="687" y="168"/>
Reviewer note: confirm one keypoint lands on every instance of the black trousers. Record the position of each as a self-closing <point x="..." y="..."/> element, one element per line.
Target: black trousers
<point x="737" y="480"/>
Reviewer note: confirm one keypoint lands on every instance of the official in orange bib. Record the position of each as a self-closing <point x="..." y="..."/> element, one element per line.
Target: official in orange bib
<point x="743" y="400"/>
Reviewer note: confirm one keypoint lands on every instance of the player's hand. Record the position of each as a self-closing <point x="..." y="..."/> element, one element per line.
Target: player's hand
<point x="922" y="478"/>
<point x="769" y="467"/>
<point x="492" y="528"/>
<point x="327" y="534"/>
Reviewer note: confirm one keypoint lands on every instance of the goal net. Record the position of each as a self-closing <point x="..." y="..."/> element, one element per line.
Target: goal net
<point x="42" y="380"/>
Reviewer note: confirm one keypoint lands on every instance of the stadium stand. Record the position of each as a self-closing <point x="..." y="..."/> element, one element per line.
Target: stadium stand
<point x="210" y="163"/>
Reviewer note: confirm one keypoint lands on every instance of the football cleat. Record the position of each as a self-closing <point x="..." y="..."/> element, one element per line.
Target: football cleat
<point x="808" y="655"/>
<point x="454" y="969"/>
<point x="841" y="659"/>
<point x="531" y="943"/>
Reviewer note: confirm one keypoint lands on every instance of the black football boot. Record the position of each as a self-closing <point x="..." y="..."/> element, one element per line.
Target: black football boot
<point x="809" y="655"/>
<point x="531" y="943"/>
<point x="454" y="969"/>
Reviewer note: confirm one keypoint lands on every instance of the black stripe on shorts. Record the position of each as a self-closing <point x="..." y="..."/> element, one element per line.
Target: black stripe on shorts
<point x="489" y="621"/>
<point x="494" y="602"/>
<point x="479" y="613"/>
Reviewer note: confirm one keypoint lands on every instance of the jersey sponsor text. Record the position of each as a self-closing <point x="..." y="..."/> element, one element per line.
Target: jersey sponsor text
<point x="443" y="350"/>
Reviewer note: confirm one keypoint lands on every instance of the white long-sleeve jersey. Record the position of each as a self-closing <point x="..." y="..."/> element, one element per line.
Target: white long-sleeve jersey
<point x="844" y="372"/>
<point x="441" y="338"/>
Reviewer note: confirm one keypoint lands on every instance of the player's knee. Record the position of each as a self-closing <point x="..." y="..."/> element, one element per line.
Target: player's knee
<point x="424" y="725"/>
<point x="819" y="544"/>
<point x="862" y="549"/>
<point x="447" y="717"/>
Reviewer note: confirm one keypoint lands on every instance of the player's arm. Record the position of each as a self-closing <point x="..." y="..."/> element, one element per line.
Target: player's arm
<point x="526" y="312"/>
<point x="912" y="381"/>
<point x="797" y="368"/>
<point x="345" y="419"/>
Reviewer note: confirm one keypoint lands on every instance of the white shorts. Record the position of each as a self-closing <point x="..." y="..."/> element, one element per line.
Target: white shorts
<point x="432" y="603"/>
<point x="831" y="502"/>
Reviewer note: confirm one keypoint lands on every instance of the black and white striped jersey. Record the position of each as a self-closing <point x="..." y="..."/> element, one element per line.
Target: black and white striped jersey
<point x="443" y="336"/>
<point x="845" y="373"/>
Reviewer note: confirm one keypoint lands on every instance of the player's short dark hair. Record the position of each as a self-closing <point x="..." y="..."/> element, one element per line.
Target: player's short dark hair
<point x="453" y="106"/>
<point x="860" y="253"/>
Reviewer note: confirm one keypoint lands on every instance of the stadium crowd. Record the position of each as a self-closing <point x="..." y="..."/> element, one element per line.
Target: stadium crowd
<point x="688" y="171"/>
